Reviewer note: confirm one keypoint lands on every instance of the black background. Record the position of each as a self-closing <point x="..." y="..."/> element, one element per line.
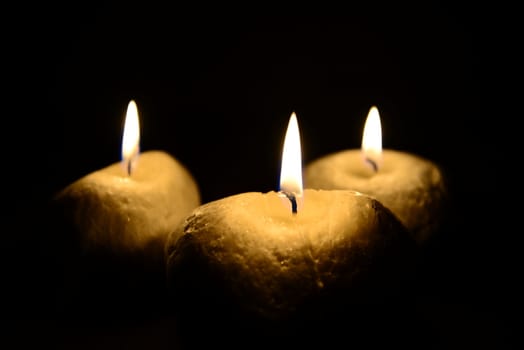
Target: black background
<point x="215" y="87"/>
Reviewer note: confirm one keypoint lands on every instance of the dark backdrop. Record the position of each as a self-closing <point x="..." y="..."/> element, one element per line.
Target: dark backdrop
<point x="215" y="88"/>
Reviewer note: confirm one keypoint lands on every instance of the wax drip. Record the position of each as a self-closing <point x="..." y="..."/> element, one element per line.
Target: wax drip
<point x="293" y="199"/>
<point x="372" y="163"/>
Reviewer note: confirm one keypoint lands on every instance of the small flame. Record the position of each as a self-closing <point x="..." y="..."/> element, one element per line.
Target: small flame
<point x="131" y="138"/>
<point x="372" y="140"/>
<point x="291" y="171"/>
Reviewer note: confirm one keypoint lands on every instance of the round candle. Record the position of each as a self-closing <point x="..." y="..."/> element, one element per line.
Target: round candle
<point x="117" y="219"/>
<point x="252" y="249"/>
<point x="273" y="256"/>
<point x="124" y="213"/>
<point x="412" y="187"/>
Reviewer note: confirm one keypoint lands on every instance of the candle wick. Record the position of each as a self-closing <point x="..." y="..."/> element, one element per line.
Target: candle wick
<point x="129" y="168"/>
<point x="293" y="199"/>
<point x="372" y="163"/>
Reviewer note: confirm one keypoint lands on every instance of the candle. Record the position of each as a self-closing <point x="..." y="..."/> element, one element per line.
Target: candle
<point x="270" y="257"/>
<point x="117" y="219"/>
<point x="412" y="187"/>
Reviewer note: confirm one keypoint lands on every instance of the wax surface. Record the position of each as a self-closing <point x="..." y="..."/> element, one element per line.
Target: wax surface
<point x="249" y="252"/>
<point x="413" y="188"/>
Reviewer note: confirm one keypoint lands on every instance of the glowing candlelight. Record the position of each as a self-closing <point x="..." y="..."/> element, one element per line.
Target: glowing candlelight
<point x="268" y="262"/>
<point x="131" y="138"/>
<point x="118" y="221"/>
<point x="291" y="172"/>
<point x="372" y="140"/>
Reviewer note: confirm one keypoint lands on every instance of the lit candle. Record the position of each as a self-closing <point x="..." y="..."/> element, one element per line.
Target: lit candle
<point x="271" y="256"/>
<point x="412" y="187"/>
<point x="118" y="218"/>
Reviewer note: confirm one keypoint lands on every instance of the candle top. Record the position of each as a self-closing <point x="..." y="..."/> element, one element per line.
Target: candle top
<point x="396" y="165"/>
<point x="265" y="216"/>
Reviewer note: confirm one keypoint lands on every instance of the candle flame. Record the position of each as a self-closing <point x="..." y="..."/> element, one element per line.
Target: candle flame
<point x="131" y="138"/>
<point x="372" y="140"/>
<point x="291" y="171"/>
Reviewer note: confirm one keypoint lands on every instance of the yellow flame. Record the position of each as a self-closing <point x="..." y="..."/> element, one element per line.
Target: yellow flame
<point x="291" y="171"/>
<point x="131" y="138"/>
<point x="372" y="139"/>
